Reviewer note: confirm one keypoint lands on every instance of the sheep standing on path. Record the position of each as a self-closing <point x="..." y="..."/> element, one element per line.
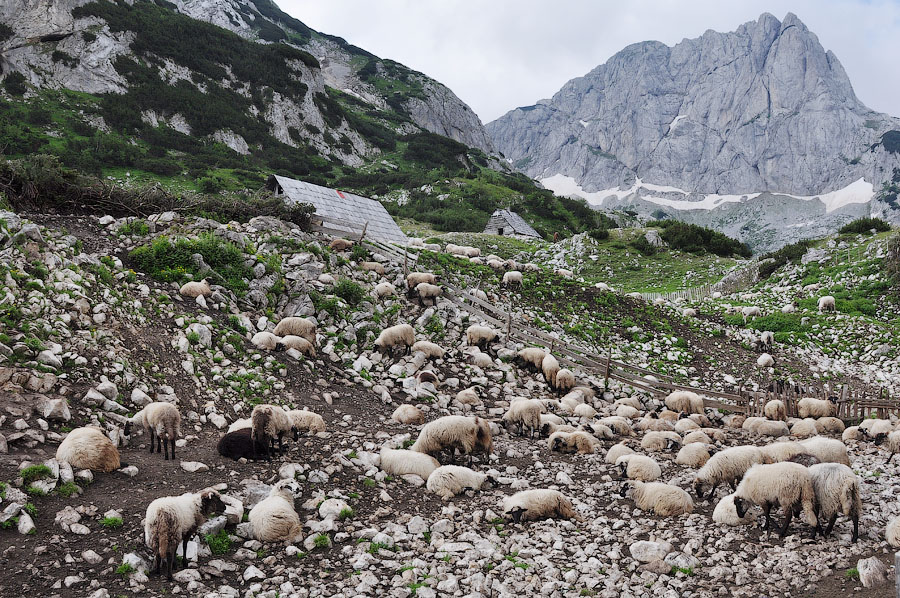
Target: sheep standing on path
<point x="787" y="485"/>
<point x="837" y="492"/>
<point x="268" y="423"/>
<point x="172" y="520"/>
<point x="160" y="419"/>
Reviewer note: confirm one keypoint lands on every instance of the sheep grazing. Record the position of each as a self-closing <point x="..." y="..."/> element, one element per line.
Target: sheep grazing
<point x="496" y="264"/>
<point x="767" y="339"/>
<point x="694" y="454"/>
<point x="837" y="493"/>
<point x="531" y="358"/>
<point x="89" y="448"/>
<point x="513" y="278"/>
<point x="638" y="467"/>
<point x="522" y="414"/>
<point x="267" y="341"/>
<point x="689" y="312"/>
<point x="303" y="420"/>
<point x="161" y="420"/>
<point x="565" y="380"/>
<point x="340" y="245"/>
<point x="296" y="326"/>
<point x="659" y="441"/>
<point x="726" y="467"/>
<point x="408" y="414"/>
<point x="685" y="401"/>
<point x="239" y="444"/>
<point x="173" y="520"/>
<point x="300" y="344"/>
<point x="449" y="480"/>
<point x="195" y="289"/>
<point x="563" y="272"/>
<point x="372" y="267"/>
<point x="750" y="312"/>
<point x="413" y="279"/>
<point x="468" y="396"/>
<point x="826" y="303"/>
<point x="454" y="433"/>
<point x="804" y="428"/>
<point x="425" y="291"/>
<point x="385" y="289"/>
<point x="826" y="450"/>
<point x="550" y="367"/>
<point x="274" y="519"/>
<point x="892" y="532"/>
<point x="776" y="410"/>
<point x="726" y="514"/>
<point x="765" y="361"/>
<point x="529" y="267"/>
<point x="665" y="500"/>
<point x="268" y="423"/>
<point x="431" y="350"/>
<point x="616" y="451"/>
<point x="403" y="462"/>
<point x="401" y="335"/>
<point x="578" y="441"/>
<point x="787" y="485"/>
<point x="480" y="336"/>
<point x="531" y="505"/>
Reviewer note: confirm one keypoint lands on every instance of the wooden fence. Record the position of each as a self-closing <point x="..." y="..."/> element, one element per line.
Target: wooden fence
<point x="733" y="281"/>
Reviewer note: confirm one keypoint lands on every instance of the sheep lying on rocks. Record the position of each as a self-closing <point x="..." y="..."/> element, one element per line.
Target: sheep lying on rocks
<point x="303" y="420"/>
<point x="826" y="303"/>
<point x="267" y="341"/>
<point x="161" y="420"/>
<point x="787" y="485"/>
<point x="89" y="448"/>
<point x="195" y="289"/>
<point x="372" y="267"/>
<point x="685" y="401"/>
<point x="695" y="454"/>
<point x="426" y="290"/>
<point x="683" y="426"/>
<point x="340" y="245"/>
<point x="599" y="430"/>
<point x="876" y="429"/>
<point x="726" y="467"/>
<point x="696" y="436"/>
<point x="638" y="467"/>
<point x="660" y="441"/>
<point x="663" y="499"/>
<point x="239" y="444"/>
<point x="449" y="480"/>
<point x="578" y="441"/>
<point x="584" y="411"/>
<point x="400" y="336"/>
<point x="531" y="358"/>
<point x="837" y="493"/>
<point x="649" y="423"/>
<point x="830" y="425"/>
<point x="853" y="433"/>
<point x="775" y="409"/>
<point x="616" y="451"/>
<point x="766" y="427"/>
<point x="431" y="350"/>
<point x="173" y="520"/>
<point x="726" y="514"/>
<point x="296" y="326"/>
<point x="408" y="414"/>
<point x="404" y="462"/>
<point x="531" y="505"/>
<point x="617" y="424"/>
<point x="827" y="450"/>
<point x="385" y="289"/>
<point x="809" y="407"/>
<point x="239" y="424"/>
<point x="524" y="413"/>
<point x="765" y="361"/>
<point x="274" y="518"/>
<point x="804" y="428"/>
<point x="892" y="532"/>
<point x="480" y="336"/>
<point x="268" y="423"/>
<point x="454" y="433"/>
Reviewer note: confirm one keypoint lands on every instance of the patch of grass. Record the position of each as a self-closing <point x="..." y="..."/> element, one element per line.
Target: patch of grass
<point x="193" y="337"/>
<point x="852" y="574"/>
<point x="136" y="228"/>
<point x="35" y="472"/>
<point x="346" y="513"/>
<point x="30" y="509"/>
<point x="321" y="541"/>
<point x="349" y="291"/>
<point x="369" y="483"/>
<point x="219" y="543"/>
<point x="689" y="571"/>
<point x="125" y="569"/>
<point x="111" y="522"/>
<point x="68" y="489"/>
<point x="35" y="491"/>
<point x="865" y="226"/>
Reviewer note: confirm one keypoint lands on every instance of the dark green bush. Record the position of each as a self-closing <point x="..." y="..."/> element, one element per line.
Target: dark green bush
<point x="599" y="234"/>
<point x="643" y="245"/>
<point x="789" y="253"/>
<point x="699" y="239"/>
<point x="6" y="32"/>
<point x="891" y="141"/>
<point x="865" y="226"/>
<point x="14" y="83"/>
<point x="349" y="291"/>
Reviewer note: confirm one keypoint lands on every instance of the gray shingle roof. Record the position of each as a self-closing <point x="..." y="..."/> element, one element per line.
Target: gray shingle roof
<point x="515" y="222"/>
<point x="341" y="210"/>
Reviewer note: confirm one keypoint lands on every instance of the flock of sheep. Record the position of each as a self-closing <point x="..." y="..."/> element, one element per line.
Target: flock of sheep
<point x="809" y="478"/>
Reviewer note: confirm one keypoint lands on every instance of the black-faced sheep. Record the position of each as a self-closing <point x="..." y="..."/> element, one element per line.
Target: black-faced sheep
<point x="665" y="500"/>
<point x="269" y="423"/>
<point x="638" y="467"/>
<point x="837" y="493"/>
<point x="408" y="414"/>
<point x="578" y="441"/>
<point x="780" y="484"/>
<point x="240" y="444"/>
<point x="660" y="441"/>
<point x="531" y="505"/>
<point x="425" y="291"/>
<point x="449" y="480"/>
<point x="296" y="326"/>
<point x="726" y="467"/>
<point x="531" y="358"/>
<point x="161" y="420"/>
<point x="303" y="420"/>
<point x="403" y="462"/>
<point x="400" y="336"/>
<point x="617" y="424"/>
<point x="524" y="413"/>
<point x="685" y="401"/>
<point x="827" y="450"/>
<point x="454" y="433"/>
<point x="431" y="350"/>
<point x="195" y="289"/>
<point x="89" y="448"/>
<point x="173" y="520"/>
<point x="480" y="336"/>
<point x="274" y="519"/>
<point x="726" y="514"/>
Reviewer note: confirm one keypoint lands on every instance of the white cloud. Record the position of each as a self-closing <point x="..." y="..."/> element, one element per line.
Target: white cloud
<point x="502" y="54"/>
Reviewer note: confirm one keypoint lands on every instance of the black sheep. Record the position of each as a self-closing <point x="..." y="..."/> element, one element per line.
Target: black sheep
<point x="239" y="444"/>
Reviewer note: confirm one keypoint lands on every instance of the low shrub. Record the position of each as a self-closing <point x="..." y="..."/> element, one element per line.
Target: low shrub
<point x="865" y="226"/>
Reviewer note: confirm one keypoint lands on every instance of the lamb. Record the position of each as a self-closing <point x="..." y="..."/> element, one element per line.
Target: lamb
<point x="454" y="433"/>
<point x="776" y="410"/>
<point x="449" y="480"/>
<point x="826" y="303"/>
<point x="784" y="484"/>
<point x="638" y="467"/>
<point x="408" y="414"/>
<point x="789" y="308"/>
<point x="694" y="454"/>
<point x="468" y="396"/>
<point x="531" y="505"/>
<point x="296" y="326"/>
<point x="513" y="278"/>
<point x="159" y="419"/>
<point x="431" y="350"/>
<point x="616" y="451"/>
<point x="837" y="492"/>
<point x="173" y="520"/>
<point x="300" y="344"/>
<point x="403" y="462"/>
<point x="892" y="532"/>
<point x="578" y="441"/>
<point x="658" y="441"/>
<point x="268" y="423"/>
<point x="804" y="428"/>
<point x="695" y="437"/>
<point x="480" y="336"/>
<point x="401" y="335"/>
<point x="765" y="361"/>
<point x="726" y="514"/>
<point x="827" y="450"/>
<point x="267" y="341"/>
<point x="385" y="289"/>
<point x="425" y="291"/>
<point x="274" y="519"/>
<point x="239" y="444"/>
<point x="685" y="400"/>
<point x="524" y="414"/>
<point x="726" y="467"/>
<point x="195" y="289"/>
<point x="413" y="279"/>
<point x="531" y="358"/>
<point x="550" y="367"/>
<point x="89" y="448"/>
<point x="303" y="420"/>
<point x="340" y="245"/>
<point x="663" y="499"/>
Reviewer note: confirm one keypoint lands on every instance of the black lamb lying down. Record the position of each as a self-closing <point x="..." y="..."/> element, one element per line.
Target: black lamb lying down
<point x="238" y="444"/>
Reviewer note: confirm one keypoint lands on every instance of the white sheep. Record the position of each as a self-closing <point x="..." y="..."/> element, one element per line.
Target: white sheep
<point x="529" y="267"/>
<point x="300" y="344"/>
<point x="340" y="245"/>
<point x="804" y="428"/>
<point x="240" y="424"/>
<point x="173" y="520"/>
<point x="837" y="493"/>
<point x="400" y="335"/>
<point x="274" y="518"/>
<point x="893" y="440"/>
<point x="431" y="350"/>
<point x="563" y="272"/>
<point x="767" y="338"/>
<point x="853" y="433"/>
<point x="765" y="361"/>
<point x="694" y="454"/>
<point x="789" y="308"/>
<point x="650" y="423"/>
<point x="162" y="421"/>
<point x="627" y="412"/>
<point x="408" y="414"/>
<point x="454" y="433"/>
<point x="665" y="500"/>
<point x="599" y="430"/>
<point x="831" y="425"/>
<point x="303" y="420"/>
<point x="531" y="357"/>
<point x="750" y="312"/>
<point x="771" y="428"/>
<point x="638" y="467"/>
<point x="550" y="367"/>
<point x="372" y="267"/>
<point x="513" y="278"/>
<point x="659" y="441"/>
<point x="617" y="424"/>
<point x="480" y="336"/>
<point x="565" y="380"/>
<point x="531" y="505"/>
<point x="892" y="532"/>
<point x="726" y="467"/>
<point x="266" y="341"/>
<point x="524" y="413"/>
<point x="616" y="451"/>
<point x="696" y="436"/>
<point x="296" y="326"/>
<point x="89" y="448"/>
<point x="775" y="409"/>
<point x="468" y="396"/>
<point x="195" y="289"/>
<point x="630" y="401"/>
<point x="827" y="450"/>
<point x="683" y="426"/>
<point x="584" y="411"/>
<point x="777" y="452"/>
<point x="404" y="462"/>
<point x="715" y="433"/>
<point x="426" y="290"/>
<point x="579" y="441"/>
<point x="787" y="485"/>
<point x="385" y="289"/>
<point x="449" y="480"/>
<point x="496" y="264"/>
<point x="685" y="401"/>
<point x="873" y="428"/>
<point x="726" y="514"/>
<point x="826" y="303"/>
<point x="269" y="423"/>
<point x="414" y="279"/>
<point x="689" y="312"/>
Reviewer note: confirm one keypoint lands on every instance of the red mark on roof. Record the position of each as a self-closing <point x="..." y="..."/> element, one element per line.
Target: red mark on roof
<point x="340" y="194"/>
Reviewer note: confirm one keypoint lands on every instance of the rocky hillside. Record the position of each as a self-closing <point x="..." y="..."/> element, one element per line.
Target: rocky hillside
<point x="717" y="130"/>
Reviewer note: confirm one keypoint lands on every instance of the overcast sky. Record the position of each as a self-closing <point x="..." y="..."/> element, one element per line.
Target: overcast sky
<point x="500" y="54"/>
